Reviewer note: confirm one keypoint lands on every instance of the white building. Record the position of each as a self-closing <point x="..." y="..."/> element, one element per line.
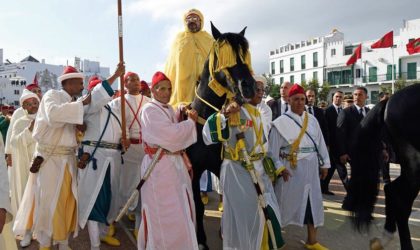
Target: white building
<point x="15" y="76"/>
<point x="324" y="58"/>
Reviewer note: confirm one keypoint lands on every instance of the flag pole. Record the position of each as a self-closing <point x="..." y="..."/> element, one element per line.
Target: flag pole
<point x="120" y="44"/>
<point x="392" y="70"/>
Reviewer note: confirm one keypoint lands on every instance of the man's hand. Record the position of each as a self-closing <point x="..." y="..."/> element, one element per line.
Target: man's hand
<point x="344" y="159"/>
<point x="87" y="99"/>
<point x="192" y="114"/>
<point x="9" y="160"/>
<point x="125" y="143"/>
<point x="36" y="164"/>
<point x="84" y="159"/>
<point x="286" y="175"/>
<point x="233" y="107"/>
<point x="31" y="126"/>
<point x="118" y="72"/>
<point x="324" y="173"/>
<point x="3" y="213"/>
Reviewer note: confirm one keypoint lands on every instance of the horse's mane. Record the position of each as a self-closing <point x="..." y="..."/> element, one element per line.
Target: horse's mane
<point x="238" y="42"/>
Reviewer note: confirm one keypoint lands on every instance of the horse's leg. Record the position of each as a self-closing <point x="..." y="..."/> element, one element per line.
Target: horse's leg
<point x="390" y="206"/>
<point x="199" y="206"/>
<point x="403" y="193"/>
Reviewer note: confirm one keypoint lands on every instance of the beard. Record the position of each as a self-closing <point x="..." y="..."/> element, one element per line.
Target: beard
<point x="193" y="27"/>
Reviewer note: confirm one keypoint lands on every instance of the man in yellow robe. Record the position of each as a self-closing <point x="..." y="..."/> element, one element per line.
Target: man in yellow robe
<point x="187" y="56"/>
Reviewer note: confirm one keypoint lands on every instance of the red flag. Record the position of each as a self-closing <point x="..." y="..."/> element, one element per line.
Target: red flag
<point x="35" y="79"/>
<point x="356" y="55"/>
<point x="385" y="42"/>
<point x="413" y="46"/>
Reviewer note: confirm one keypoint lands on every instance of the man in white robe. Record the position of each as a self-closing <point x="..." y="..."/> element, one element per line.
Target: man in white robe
<point x="300" y="198"/>
<point x="7" y="241"/>
<point x="168" y="212"/>
<point x="24" y="143"/>
<point x="244" y="225"/>
<point x="55" y="162"/>
<point x="99" y="179"/>
<point x="18" y="113"/>
<point x="130" y="171"/>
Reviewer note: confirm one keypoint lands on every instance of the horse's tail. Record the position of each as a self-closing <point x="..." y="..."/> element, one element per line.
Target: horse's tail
<point x="365" y="153"/>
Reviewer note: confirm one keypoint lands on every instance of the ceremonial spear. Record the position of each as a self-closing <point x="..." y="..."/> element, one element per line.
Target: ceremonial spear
<point x="120" y="44"/>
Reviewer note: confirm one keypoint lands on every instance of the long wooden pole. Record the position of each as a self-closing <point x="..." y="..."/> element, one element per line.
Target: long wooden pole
<point x="120" y="44"/>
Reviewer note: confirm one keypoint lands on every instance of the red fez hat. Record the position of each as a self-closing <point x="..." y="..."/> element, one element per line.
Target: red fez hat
<point x="128" y="74"/>
<point x="144" y="85"/>
<point x="32" y="86"/>
<point x="93" y="81"/>
<point x="296" y="89"/>
<point x="69" y="73"/>
<point x="158" y="77"/>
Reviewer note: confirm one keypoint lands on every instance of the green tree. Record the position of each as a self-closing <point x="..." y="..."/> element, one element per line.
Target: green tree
<point x="321" y="92"/>
<point x="399" y="84"/>
<point x="272" y="89"/>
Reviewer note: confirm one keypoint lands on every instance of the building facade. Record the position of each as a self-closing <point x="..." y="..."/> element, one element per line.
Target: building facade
<point x="15" y="76"/>
<point x="324" y="58"/>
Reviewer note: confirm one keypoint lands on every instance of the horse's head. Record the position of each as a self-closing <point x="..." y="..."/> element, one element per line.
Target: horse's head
<point x="230" y="64"/>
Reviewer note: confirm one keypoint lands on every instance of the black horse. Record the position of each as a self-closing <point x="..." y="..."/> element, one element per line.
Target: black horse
<point x="238" y="79"/>
<point x="397" y="122"/>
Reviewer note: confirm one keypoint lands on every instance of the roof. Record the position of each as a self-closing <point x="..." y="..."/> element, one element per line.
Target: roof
<point x="29" y="59"/>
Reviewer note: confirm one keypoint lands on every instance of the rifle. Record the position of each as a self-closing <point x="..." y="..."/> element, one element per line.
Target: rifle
<point x="136" y="191"/>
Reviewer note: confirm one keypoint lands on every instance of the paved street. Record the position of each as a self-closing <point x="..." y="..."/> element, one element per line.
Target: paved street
<point x="336" y="233"/>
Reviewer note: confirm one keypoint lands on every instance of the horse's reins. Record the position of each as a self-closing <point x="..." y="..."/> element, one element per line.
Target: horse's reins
<point x="201" y="120"/>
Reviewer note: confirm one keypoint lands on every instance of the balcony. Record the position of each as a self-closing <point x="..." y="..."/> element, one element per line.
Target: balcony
<point x="343" y="77"/>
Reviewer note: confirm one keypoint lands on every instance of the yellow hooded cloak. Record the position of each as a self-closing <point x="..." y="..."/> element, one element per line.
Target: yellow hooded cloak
<point x="186" y="61"/>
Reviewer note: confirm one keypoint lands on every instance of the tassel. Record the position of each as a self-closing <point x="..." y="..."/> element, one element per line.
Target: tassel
<point x="235" y="119"/>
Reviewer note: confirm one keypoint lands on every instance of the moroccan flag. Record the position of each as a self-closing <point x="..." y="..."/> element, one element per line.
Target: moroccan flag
<point x="413" y="46"/>
<point x="385" y="42"/>
<point x="35" y="79"/>
<point x="356" y="55"/>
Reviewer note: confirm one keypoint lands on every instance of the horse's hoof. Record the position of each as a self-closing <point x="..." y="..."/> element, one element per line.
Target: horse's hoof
<point x="375" y="244"/>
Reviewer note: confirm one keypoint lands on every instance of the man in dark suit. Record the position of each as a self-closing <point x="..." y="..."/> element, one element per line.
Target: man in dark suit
<point x="280" y="106"/>
<point x="318" y="113"/>
<point x="331" y="114"/>
<point x="348" y="120"/>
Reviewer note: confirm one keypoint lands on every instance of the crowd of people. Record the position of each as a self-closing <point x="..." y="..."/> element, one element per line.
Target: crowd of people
<point x="70" y="166"/>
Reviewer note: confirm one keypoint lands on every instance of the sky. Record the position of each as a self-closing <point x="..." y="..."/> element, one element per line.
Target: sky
<point x="60" y="30"/>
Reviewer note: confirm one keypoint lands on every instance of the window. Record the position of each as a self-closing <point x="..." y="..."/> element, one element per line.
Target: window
<point x="348" y="50"/>
<point x="16" y="92"/>
<point x="374" y="96"/>
<point x="315" y="41"/>
<point x="373" y="74"/>
<point x="292" y="64"/>
<point x="411" y="71"/>
<point x="302" y="78"/>
<point x="292" y="47"/>
<point x="273" y="68"/>
<point x="389" y="72"/>
<point x="281" y="80"/>
<point x="315" y="75"/>
<point x="315" y="59"/>
<point x="292" y="79"/>
<point x="333" y="52"/>
<point x="281" y="66"/>
<point x="297" y="46"/>
<point x="303" y="62"/>
<point x="358" y="73"/>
